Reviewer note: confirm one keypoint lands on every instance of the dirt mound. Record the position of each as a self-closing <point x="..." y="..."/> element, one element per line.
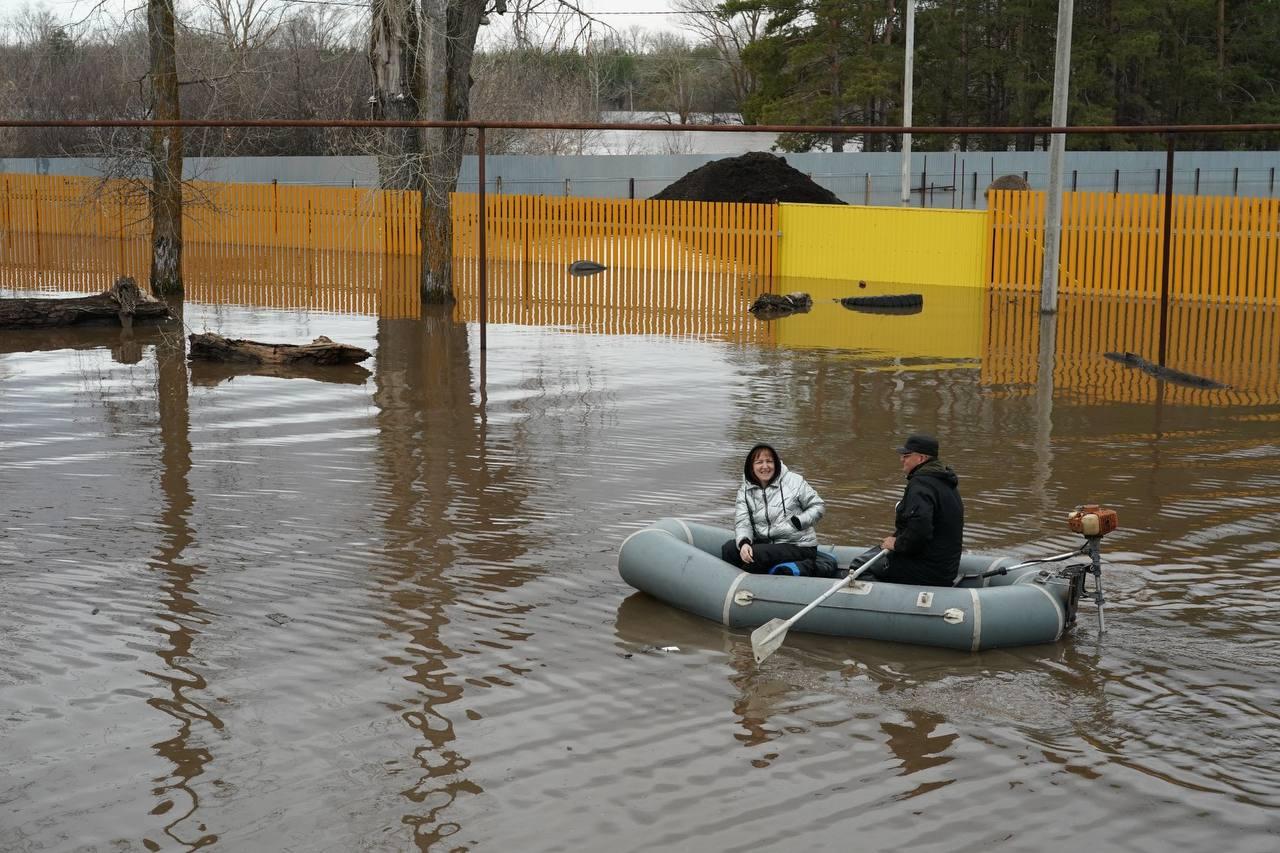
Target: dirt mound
<point x="1009" y="182"/>
<point x="756" y="177"/>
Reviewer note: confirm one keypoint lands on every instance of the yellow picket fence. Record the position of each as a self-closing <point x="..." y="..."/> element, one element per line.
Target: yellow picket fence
<point x="670" y="266"/>
<point x="705" y="240"/>
<point x="658" y="254"/>
<point x="321" y="248"/>
<point x="1223" y="249"/>
<point x="337" y="219"/>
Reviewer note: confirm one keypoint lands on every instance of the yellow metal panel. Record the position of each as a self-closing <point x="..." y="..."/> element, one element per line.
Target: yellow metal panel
<point x="883" y="244"/>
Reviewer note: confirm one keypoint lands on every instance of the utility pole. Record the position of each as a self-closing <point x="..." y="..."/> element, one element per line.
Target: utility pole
<point x="1057" y="148"/>
<point x="909" y="63"/>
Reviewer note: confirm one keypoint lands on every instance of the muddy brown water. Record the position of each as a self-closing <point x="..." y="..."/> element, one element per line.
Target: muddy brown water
<point x="244" y="612"/>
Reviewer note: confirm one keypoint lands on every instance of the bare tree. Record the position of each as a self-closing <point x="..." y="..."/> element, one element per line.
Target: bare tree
<point x="550" y="84"/>
<point x="244" y="25"/>
<point x="394" y="41"/>
<point x="677" y="74"/>
<point x="544" y="23"/>
<point x="166" y="152"/>
<point x="728" y="35"/>
<point x="449" y="29"/>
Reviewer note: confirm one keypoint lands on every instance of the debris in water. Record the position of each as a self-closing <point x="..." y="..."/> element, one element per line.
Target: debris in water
<point x="1132" y="359"/>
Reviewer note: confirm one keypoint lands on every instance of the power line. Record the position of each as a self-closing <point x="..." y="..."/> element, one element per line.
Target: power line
<point x="558" y="13"/>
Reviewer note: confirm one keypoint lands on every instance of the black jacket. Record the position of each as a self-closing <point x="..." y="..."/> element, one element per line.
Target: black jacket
<point x="928" y="528"/>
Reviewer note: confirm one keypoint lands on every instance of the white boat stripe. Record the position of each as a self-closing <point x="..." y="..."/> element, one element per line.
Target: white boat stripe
<point x="688" y="534"/>
<point x="977" y="620"/>
<point x="728" y="599"/>
<point x="1057" y="608"/>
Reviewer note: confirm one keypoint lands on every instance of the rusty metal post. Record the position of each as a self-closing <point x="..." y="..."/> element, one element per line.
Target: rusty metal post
<point x="484" y="227"/>
<point x="1164" y="267"/>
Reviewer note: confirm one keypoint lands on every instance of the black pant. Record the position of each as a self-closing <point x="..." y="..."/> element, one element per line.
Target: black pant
<point x="895" y="569"/>
<point x="766" y="555"/>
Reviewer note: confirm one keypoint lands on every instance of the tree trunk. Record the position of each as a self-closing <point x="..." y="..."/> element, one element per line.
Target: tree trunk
<point x="449" y="30"/>
<point x="166" y="153"/>
<point x="396" y="29"/>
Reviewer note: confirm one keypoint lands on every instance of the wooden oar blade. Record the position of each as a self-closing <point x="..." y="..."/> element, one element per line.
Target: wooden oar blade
<point x="762" y="644"/>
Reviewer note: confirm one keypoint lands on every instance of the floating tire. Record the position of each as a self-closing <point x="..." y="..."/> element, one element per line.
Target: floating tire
<point x="901" y="300"/>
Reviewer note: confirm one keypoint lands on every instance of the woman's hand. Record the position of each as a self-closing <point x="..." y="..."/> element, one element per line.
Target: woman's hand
<point x="889" y="542"/>
<point x="746" y="553"/>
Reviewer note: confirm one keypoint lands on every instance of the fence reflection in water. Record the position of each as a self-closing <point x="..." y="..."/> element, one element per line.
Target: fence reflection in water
<point x="1238" y="345"/>
<point x="621" y="301"/>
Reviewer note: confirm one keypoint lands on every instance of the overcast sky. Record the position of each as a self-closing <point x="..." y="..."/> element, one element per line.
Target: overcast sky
<point x="620" y="14"/>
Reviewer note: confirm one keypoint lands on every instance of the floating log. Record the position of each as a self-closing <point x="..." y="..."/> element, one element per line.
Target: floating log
<point x="1132" y="359"/>
<point x="120" y="305"/>
<point x="322" y="351"/>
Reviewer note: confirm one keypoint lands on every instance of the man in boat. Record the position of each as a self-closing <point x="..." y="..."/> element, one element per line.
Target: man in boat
<point x="929" y="521"/>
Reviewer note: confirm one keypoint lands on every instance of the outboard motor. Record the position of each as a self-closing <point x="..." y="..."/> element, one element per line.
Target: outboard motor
<point x="1092" y="522"/>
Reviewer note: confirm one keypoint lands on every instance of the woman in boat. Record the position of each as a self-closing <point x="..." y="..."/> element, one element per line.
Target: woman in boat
<point x="775" y="513"/>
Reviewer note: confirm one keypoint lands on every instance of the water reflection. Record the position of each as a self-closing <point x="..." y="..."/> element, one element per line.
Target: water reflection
<point x="125" y="345"/>
<point x="918" y="746"/>
<point x="1235" y="344"/>
<point x="185" y="617"/>
<point x="623" y="300"/>
<point x="449" y="511"/>
<point x="207" y="374"/>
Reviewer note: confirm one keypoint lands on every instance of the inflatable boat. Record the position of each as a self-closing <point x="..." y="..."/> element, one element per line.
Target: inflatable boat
<point x="997" y="601"/>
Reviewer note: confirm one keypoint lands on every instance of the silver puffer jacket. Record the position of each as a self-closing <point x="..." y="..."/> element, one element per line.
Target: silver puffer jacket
<point x="765" y="514"/>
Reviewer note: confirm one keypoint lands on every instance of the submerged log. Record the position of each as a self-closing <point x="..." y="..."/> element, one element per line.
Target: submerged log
<point x="1178" y="377"/>
<point x="321" y="351"/>
<point x="120" y="305"/>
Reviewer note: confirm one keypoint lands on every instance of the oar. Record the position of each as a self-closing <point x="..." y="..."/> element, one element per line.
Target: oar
<point x="766" y="639"/>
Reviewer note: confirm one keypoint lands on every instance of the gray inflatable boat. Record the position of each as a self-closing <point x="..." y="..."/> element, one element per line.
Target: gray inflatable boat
<point x="998" y="601"/>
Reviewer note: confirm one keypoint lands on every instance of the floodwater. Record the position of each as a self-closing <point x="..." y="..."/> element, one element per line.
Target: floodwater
<point x="380" y="609"/>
